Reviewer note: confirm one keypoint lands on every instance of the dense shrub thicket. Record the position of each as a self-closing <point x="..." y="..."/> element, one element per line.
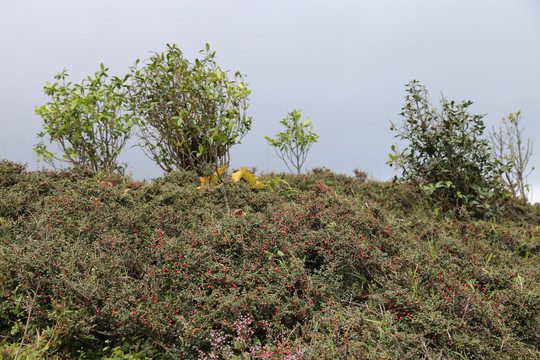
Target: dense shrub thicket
<point x="102" y="266"/>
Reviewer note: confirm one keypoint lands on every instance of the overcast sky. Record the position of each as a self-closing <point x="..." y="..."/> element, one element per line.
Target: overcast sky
<point x="344" y="63"/>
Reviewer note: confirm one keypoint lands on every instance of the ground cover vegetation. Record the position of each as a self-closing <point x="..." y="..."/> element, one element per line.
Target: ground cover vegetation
<point x="209" y="262"/>
<point x="97" y="265"/>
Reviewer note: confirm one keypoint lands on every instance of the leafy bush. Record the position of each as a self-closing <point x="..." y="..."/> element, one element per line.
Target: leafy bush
<point x="191" y="113"/>
<point x="88" y="121"/>
<point x="446" y="155"/>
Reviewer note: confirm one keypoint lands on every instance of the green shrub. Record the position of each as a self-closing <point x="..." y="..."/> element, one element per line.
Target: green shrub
<point x="446" y="156"/>
<point x="88" y="121"/>
<point x="191" y="113"/>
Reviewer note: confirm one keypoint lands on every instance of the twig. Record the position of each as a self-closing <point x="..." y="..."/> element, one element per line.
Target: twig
<point x="30" y="307"/>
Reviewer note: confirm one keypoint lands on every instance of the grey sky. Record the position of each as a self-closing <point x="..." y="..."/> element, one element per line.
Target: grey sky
<point x="344" y="63"/>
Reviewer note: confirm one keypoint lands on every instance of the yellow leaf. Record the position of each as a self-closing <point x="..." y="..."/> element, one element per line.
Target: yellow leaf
<point x="236" y="176"/>
<point x="250" y="178"/>
<point x="204" y="181"/>
<point x="222" y="169"/>
<point x="215" y="176"/>
<point x="258" y="185"/>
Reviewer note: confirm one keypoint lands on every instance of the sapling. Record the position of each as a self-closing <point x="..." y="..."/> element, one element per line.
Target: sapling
<point x="509" y="147"/>
<point x="293" y="144"/>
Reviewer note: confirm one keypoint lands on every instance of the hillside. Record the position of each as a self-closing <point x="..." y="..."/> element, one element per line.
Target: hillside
<point x="103" y="267"/>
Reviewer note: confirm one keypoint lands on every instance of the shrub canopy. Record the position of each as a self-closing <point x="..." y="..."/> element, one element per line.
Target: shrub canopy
<point x="88" y="121"/>
<point x="446" y="155"/>
<point x="191" y="113"/>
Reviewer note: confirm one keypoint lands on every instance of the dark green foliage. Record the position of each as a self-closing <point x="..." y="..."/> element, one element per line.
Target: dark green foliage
<point x="10" y="172"/>
<point x="340" y="269"/>
<point x="446" y="155"/>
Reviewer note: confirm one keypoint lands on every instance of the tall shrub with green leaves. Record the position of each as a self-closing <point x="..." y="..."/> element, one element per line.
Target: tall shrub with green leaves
<point x="509" y="146"/>
<point x="446" y="155"/>
<point x="293" y="144"/>
<point x="191" y="114"/>
<point x="89" y="121"/>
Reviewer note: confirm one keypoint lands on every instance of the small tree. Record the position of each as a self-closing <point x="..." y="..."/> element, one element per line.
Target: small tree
<point x="509" y="147"/>
<point x="190" y="113"/>
<point x="88" y="121"/>
<point x="446" y="155"/>
<point x="293" y="144"/>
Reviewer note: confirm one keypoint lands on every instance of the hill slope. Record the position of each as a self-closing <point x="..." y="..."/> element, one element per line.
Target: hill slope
<point x="98" y="266"/>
